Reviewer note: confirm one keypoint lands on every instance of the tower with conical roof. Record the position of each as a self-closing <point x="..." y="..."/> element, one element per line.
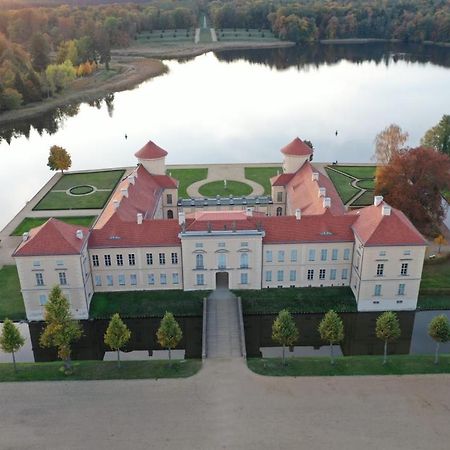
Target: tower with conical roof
<point x="296" y="153"/>
<point x="153" y="158"/>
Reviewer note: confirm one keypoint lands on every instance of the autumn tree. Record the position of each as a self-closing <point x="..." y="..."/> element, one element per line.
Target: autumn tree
<point x="284" y="331"/>
<point x="169" y="333"/>
<point x="413" y="182"/>
<point x="440" y="240"/>
<point x="439" y="331"/>
<point x="11" y="340"/>
<point x="59" y="159"/>
<point x="60" y="328"/>
<point x="40" y="52"/>
<point x="438" y="137"/>
<point x="387" y="329"/>
<point x="331" y="329"/>
<point x="117" y="335"/>
<point x="388" y="143"/>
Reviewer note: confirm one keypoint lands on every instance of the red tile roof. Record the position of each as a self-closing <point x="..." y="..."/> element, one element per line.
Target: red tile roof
<point x="297" y="148"/>
<point x="53" y="238"/>
<point x="166" y="182"/>
<point x="150" y="151"/>
<point x="372" y="228"/>
<point x="282" y="179"/>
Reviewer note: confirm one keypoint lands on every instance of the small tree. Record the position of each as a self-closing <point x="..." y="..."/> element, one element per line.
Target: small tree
<point x="440" y="241"/>
<point x="11" y="340"/>
<point x="169" y="333"/>
<point x="117" y="335"/>
<point x="60" y="329"/>
<point x="439" y="331"/>
<point x="59" y="159"/>
<point x="387" y="329"/>
<point x="284" y="330"/>
<point x="331" y="330"/>
<point x="388" y="143"/>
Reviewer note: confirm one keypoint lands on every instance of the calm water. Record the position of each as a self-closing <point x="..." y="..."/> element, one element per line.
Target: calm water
<point x="239" y="106"/>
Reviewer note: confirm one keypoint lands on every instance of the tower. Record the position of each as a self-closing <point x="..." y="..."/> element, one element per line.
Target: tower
<point x="153" y="158"/>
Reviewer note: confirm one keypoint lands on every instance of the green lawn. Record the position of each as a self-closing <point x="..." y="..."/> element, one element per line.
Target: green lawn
<point x="186" y="177"/>
<point x="147" y="303"/>
<point x="365" y="200"/>
<point x="297" y="300"/>
<point x="241" y="34"/>
<point x="350" y="365"/>
<point x="262" y="175"/>
<point x="436" y="274"/>
<point x="11" y="301"/>
<point x="235" y="188"/>
<point x="446" y="195"/>
<point x="163" y="36"/>
<point x="366" y="183"/>
<point x="205" y="36"/>
<point x="100" y="370"/>
<point x="32" y="222"/>
<point x="101" y="180"/>
<point x="358" y="171"/>
<point x="342" y="184"/>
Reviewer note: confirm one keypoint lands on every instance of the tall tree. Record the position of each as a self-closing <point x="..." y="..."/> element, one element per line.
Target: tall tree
<point x="413" y="182"/>
<point x="439" y="331"/>
<point x="169" y="333"/>
<point x="331" y="329"/>
<point x="59" y="159"/>
<point x="117" y="335"/>
<point x="387" y="329"/>
<point x="284" y="331"/>
<point x="440" y="241"/>
<point x="60" y="328"/>
<point x="11" y="340"/>
<point x="388" y="143"/>
<point x="40" y="51"/>
<point x="438" y="137"/>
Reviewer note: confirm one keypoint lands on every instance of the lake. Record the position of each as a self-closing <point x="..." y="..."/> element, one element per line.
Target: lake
<point x="239" y="106"/>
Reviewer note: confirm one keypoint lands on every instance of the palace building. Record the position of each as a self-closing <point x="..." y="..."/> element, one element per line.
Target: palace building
<point x="146" y="238"/>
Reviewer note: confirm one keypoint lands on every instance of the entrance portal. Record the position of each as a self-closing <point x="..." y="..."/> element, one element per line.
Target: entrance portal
<point x="222" y="280"/>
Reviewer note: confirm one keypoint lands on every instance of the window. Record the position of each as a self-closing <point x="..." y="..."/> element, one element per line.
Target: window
<point x="175" y="278"/>
<point x="334" y="254"/>
<point x="244" y="244"/>
<point x="279" y="211"/>
<point x="377" y="290"/>
<point x="382" y="253"/>
<point x="162" y="258"/>
<point x="163" y="278"/>
<point x="244" y="260"/>
<point x="346" y="254"/>
<point x="119" y="259"/>
<point x="222" y="261"/>
<point x="169" y="199"/>
<point x="59" y="263"/>
<point x="404" y="269"/>
<point x="109" y="280"/>
<point x="322" y="274"/>
<point x="279" y="197"/>
<point x="311" y="255"/>
<point x="98" y="280"/>
<point x="323" y="254"/>
<point x="268" y="255"/>
<point x="149" y="257"/>
<point x="199" y="261"/>
<point x="294" y="255"/>
<point x="200" y="279"/>
<point x="169" y="214"/>
<point x="221" y="244"/>
<point x="199" y="245"/>
<point x="107" y="260"/>
<point x="344" y="274"/>
<point x="407" y="253"/>
<point x="40" y="279"/>
<point x="36" y="264"/>
<point x="292" y="275"/>
<point x="133" y="279"/>
<point x="380" y="270"/>
<point x="121" y="280"/>
<point x="332" y="274"/>
<point x="244" y="278"/>
<point x="62" y="278"/>
<point x="131" y="259"/>
<point x="280" y="275"/>
<point x="268" y="275"/>
<point x="174" y="257"/>
<point x="151" y="278"/>
<point x="42" y="300"/>
<point x="401" y="289"/>
<point x="281" y="256"/>
<point x="310" y="275"/>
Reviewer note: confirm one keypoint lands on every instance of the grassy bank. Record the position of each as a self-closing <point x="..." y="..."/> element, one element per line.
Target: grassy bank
<point x="11" y="301"/>
<point x="435" y="285"/>
<point x="100" y="370"/>
<point x="350" y="365"/>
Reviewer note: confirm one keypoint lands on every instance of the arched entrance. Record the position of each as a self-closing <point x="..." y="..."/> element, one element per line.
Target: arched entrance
<point x="170" y="214"/>
<point x="222" y="280"/>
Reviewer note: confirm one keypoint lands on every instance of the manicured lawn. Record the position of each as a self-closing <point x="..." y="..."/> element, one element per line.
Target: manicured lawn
<point x="160" y="36"/>
<point x="342" y="183"/>
<point x="205" y="35"/>
<point x="235" y="188"/>
<point x="147" y="303"/>
<point x="262" y="176"/>
<point x="100" y="370"/>
<point x="366" y="183"/>
<point x="365" y="200"/>
<point x="240" y="34"/>
<point x="61" y="201"/>
<point x="32" y="222"/>
<point x="430" y="302"/>
<point x="358" y="171"/>
<point x="436" y="274"/>
<point x="186" y="177"/>
<point x="350" y="365"/>
<point x="11" y="301"/>
<point x="297" y="300"/>
<point x="101" y="180"/>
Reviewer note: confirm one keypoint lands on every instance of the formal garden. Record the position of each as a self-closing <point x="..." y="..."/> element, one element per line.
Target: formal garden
<point x="32" y="222"/>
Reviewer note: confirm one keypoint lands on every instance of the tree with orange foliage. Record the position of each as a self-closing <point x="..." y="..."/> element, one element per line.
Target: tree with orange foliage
<point x="412" y="182"/>
<point x="440" y="241"/>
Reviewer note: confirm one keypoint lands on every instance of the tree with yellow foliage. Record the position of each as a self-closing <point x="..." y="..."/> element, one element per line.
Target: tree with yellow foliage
<point x="59" y="159"/>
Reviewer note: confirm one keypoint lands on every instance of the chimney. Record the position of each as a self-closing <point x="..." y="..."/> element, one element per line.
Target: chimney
<point x="377" y="199"/>
<point x="298" y="214"/>
<point x="80" y="234"/>
<point x="386" y="211"/>
<point x="25" y="236"/>
<point x="181" y="218"/>
<point x="116" y="204"/>
<point x="327" y="202"/>
<point x="124" y="192"/>
<point x="322" y="192"/>
<point x="131" y="179"/>
<point x="249" y="212"/>
<point x="139" y="218"/>
<point x="315" y="176"/>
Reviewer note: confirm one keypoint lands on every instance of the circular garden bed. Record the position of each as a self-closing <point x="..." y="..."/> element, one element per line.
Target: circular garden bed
<point x="234" y="188"/>
<point x="81" y="190"/>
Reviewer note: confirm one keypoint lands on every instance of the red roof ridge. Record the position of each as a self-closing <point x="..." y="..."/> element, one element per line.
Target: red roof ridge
<point x="150" y="151"/>
<point x="297" y="148"/>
